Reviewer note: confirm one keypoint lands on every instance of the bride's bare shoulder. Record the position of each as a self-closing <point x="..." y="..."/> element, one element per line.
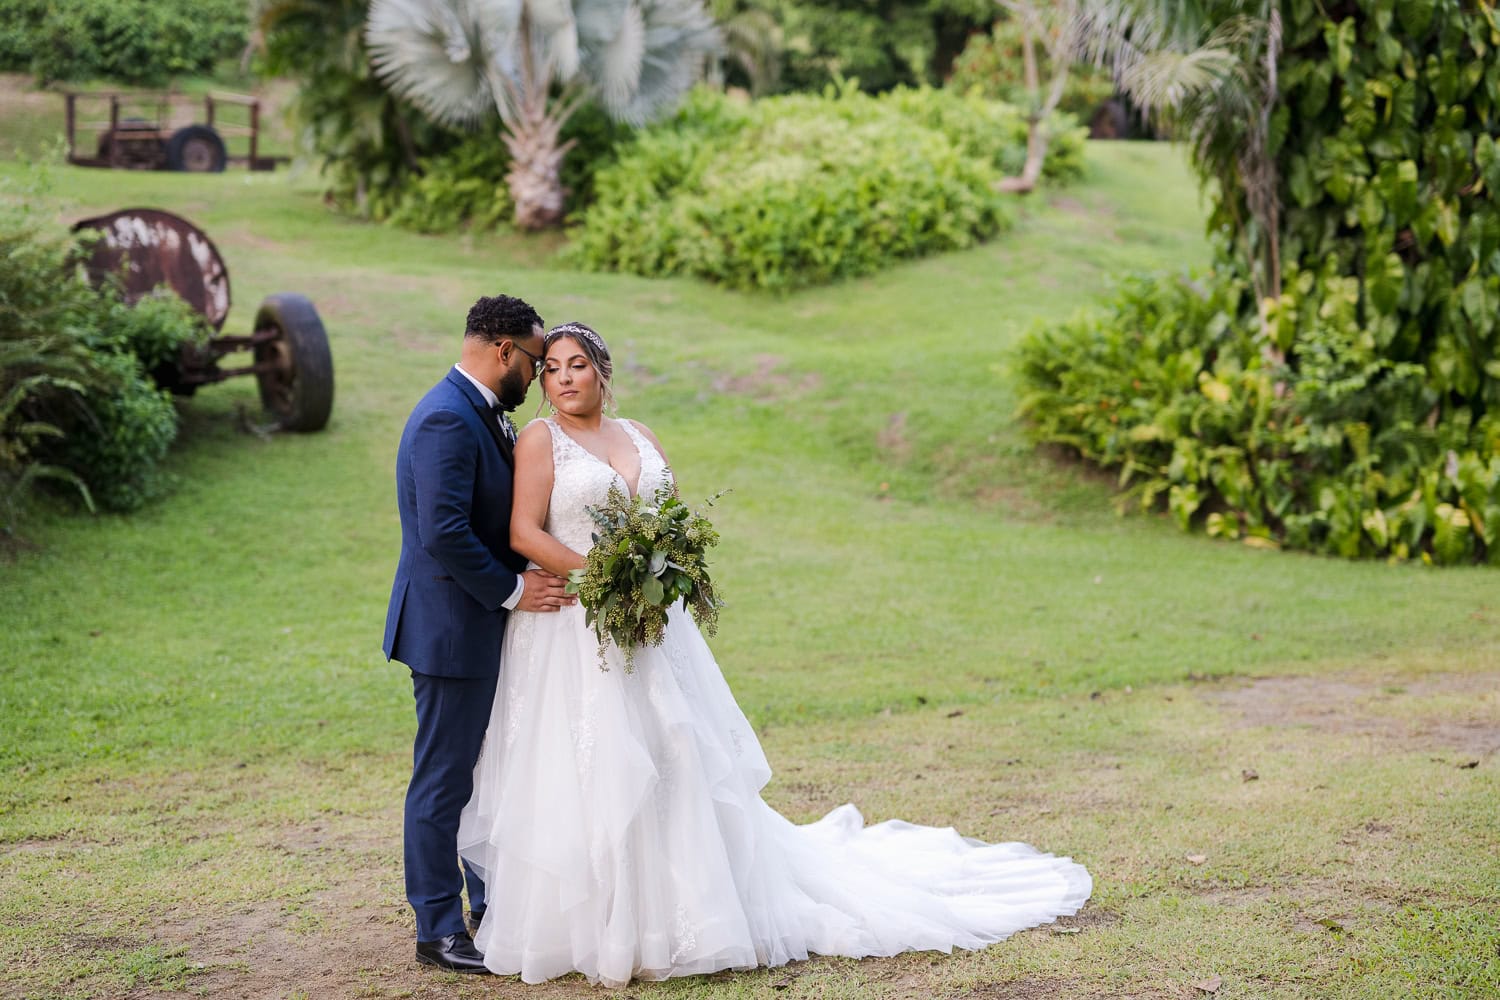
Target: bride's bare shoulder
<point x="534" y="443"/>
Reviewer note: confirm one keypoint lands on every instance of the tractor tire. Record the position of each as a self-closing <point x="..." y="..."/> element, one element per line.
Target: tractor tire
<point x="297" y="385"/>
<point x="196" y="149"/>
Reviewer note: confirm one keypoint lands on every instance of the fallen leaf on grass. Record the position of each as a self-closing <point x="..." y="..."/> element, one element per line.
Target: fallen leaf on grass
<point x="1209" y="985"/>
<point x="1065" y="930"/>
<point x="1196" y="859"/>
<point x="955" y="713"/>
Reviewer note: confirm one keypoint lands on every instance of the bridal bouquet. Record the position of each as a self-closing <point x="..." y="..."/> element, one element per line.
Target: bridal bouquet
<point x="647" y="556"/>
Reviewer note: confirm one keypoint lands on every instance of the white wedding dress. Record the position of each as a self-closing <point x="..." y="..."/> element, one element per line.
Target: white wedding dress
<point x="618" y="824"/>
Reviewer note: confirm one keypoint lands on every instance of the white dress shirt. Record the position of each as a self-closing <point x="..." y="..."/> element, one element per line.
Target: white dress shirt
<point x="509" y="604"/>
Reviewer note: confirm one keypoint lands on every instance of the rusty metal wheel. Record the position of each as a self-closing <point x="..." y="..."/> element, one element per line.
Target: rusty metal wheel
<point x="294" y="368"/>
<point x="196" y="149"/>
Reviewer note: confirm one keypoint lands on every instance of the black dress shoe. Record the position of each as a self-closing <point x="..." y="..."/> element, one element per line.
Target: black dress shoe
<point x="474" y="919"/>
<point x="456" y="953"/>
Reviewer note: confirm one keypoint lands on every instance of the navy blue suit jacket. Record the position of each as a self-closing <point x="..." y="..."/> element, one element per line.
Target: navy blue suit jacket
<point x="453" y="490"/>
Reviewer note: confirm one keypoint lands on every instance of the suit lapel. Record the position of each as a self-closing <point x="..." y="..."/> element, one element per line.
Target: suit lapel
<point x="486" y="415"/>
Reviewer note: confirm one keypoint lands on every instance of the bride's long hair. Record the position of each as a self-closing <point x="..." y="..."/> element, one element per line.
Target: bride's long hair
<point x="593" y="349"/>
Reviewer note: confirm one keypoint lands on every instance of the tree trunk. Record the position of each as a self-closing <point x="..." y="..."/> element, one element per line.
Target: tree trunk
<point x="1060" y="52"/>
<point x="535" y="174"/>
<point x="1037" y="141"/>
<point x="532" y="122"/>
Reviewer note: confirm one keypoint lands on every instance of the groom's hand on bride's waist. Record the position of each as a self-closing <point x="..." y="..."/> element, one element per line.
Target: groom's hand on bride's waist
<point x="541" y="591"/>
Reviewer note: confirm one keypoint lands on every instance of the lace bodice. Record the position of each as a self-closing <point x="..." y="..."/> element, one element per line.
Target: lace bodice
<point x="581" y="479"/>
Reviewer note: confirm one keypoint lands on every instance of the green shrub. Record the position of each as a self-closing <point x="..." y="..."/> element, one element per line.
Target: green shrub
<point x="131" y="41"/>
<point x="1339" y="452"/>
<point x="381" y="158"/>
<point x="77" y="401"/>
<point x="122" y="432"/>
<point x="137" y="41"/>
<point x="19" y="20"/>
<point x="1358" y="411"/>
<point x="117" y="443"/>
<point x="800" y="190"/>
<point x="991" y="64"/>
<point x="44" y="363"/>
<point x="465" y="185"/>
<point x="992" y="131"/>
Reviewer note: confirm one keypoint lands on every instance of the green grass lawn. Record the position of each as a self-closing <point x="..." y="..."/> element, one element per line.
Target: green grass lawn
<point x="203" y="754"/>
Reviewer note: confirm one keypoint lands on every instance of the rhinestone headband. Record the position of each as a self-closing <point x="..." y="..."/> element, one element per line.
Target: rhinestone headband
<point x="578" y="330"/>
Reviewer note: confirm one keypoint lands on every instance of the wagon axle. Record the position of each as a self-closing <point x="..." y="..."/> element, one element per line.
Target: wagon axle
<point x="144" y="248"/>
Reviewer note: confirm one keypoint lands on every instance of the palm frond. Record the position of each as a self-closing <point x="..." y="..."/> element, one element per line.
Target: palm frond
<point x="442" y="55"/>
<point x="679" y="39"/>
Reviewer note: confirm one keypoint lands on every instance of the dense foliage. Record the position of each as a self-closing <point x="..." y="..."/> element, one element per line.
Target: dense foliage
<point x="803" y="189"/>
<point x="991" y="63"/>
<point x="881" y="43"/>
<point x="129" y="41"/>
<point x="43" y="363"/>
<point x="1362" y="415"/>
<point x="77" y="402"/>
<point x="383" y="159"/>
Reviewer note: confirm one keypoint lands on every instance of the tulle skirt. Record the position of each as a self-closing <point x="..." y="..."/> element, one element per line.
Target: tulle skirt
<point x="618" y="825"/>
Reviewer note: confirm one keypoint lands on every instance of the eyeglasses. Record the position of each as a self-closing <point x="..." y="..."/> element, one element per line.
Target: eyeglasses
<point x="536" y="362"/>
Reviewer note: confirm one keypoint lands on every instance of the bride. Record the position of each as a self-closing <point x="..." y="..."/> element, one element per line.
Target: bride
<point x="617" y="816"/>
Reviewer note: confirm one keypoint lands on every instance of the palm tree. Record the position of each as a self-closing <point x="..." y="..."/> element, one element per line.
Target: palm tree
<point x="1208" y="72"/>
<point x="536" y="62"/>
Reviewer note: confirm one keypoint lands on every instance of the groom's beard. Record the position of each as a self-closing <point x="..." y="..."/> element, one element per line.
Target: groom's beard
<point x="512" y="389"/>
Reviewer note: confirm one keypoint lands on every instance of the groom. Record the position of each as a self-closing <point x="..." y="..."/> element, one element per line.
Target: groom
<point x="455" y="585"/>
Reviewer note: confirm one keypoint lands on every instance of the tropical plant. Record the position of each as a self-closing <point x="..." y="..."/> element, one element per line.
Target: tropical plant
<point x="43" y="363"/>
<point x="880" y="43"/>
<point x="800" y="189"/>
<point x="366" y="141"/>
<point x="994" y="64"/>
<point x="753" y="44"/>
<point x="535" y="62"/>
<point x="1332" y="383"/>
<point x="1209" y="74"/>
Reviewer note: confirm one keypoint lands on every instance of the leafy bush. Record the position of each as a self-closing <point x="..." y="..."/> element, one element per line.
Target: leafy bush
<point x="880" y="43"/>
<point x="1337" y="453"/>
<point x="132" y="41"/>
<point x="119" y="437"/>
<point x="19" y="20"/>
<point x="383" y="159"/>
<point x="43" y="362"/>
<point x="800" y="190"/>
<point x="1358" y="412"/>
<point x="991" y="64"/>
<point x="77" y="403"/>
<point x="465" y="185"/>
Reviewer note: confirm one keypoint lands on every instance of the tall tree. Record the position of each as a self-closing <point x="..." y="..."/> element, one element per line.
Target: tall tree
<point x="1208" y="72"/>
<point x="535" y="62"/>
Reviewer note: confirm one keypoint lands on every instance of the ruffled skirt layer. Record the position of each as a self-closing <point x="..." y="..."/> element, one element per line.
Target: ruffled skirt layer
<point x="618" y="825"/>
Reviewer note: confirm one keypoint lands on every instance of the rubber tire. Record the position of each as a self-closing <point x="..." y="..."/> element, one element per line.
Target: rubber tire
<point x="311" y="395"/>
<point x="178" y="144"/>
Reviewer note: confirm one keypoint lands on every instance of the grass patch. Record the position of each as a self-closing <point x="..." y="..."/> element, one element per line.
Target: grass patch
<point x="202" y="749"/>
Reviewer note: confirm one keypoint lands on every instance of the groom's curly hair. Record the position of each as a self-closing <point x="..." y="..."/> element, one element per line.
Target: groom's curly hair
<point x="500" y="317"/>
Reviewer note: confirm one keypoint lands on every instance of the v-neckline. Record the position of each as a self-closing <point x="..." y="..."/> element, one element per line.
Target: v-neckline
<point x="640" y="468"/>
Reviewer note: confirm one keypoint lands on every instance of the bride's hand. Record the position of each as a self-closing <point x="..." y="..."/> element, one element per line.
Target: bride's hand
<point x="544" y="592"/>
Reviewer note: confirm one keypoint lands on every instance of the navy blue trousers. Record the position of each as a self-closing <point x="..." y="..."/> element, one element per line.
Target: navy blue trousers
<point x="452" y="713"/>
